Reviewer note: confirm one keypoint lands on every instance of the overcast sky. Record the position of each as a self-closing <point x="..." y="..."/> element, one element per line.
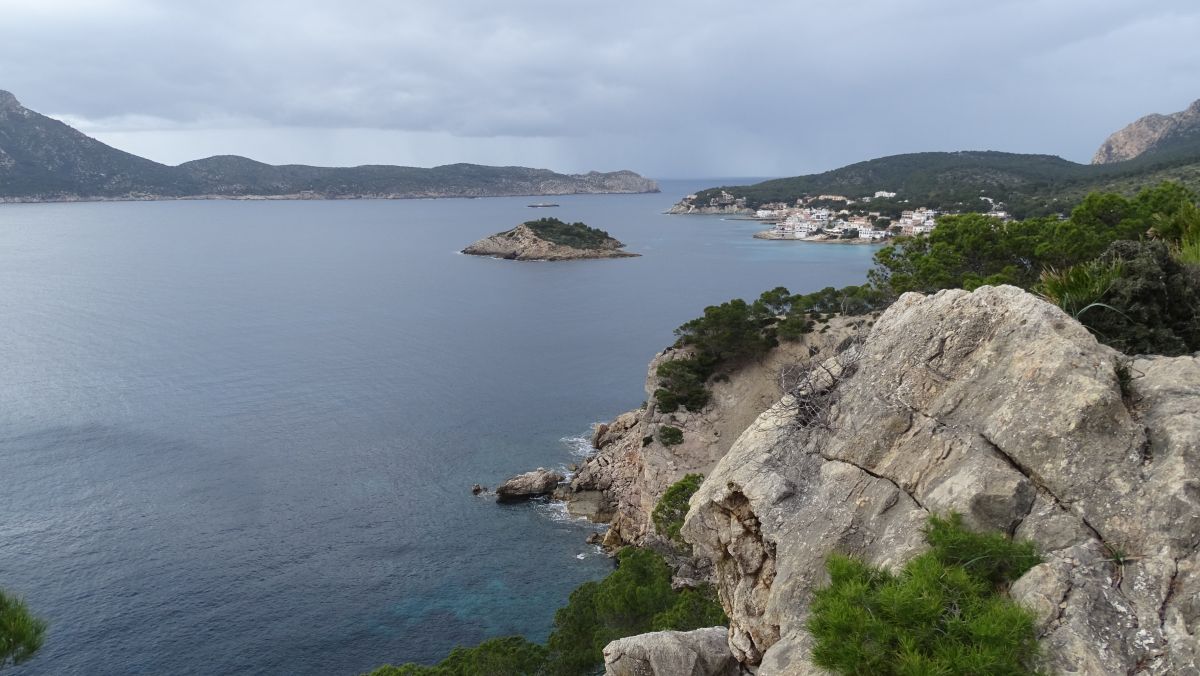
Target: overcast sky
<point x="667" y="88"/>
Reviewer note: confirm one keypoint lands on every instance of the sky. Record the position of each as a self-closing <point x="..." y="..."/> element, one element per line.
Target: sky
<point x="667" y="88"/>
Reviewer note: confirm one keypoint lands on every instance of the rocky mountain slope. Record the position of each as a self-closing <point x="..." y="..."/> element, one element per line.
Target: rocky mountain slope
<point x="996" y="405"/>
<point x="42" y="159"/>
<point x="1152" y="134"/>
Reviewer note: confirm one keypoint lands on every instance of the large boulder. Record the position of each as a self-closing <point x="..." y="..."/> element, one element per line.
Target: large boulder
<point x="999" y="406"/>
<point x="702" y="652"/>
<point x="529" y="485"/>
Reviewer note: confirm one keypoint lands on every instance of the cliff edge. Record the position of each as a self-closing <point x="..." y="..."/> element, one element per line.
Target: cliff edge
<point x="1150" y="134"/>
<point x="999" y="406"/>
<point x="632" y="468"/>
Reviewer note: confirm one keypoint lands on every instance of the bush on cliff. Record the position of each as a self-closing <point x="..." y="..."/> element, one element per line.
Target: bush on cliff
<point x="737" y="331"/>
<point x="682" y="383"/>
<point x="635" y="598"/>
<point x="672" y="507"/>
<point x="670" y="436"/>
<point x="946" y="612"/>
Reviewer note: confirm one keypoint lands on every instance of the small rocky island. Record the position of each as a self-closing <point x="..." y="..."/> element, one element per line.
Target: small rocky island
<point x="549" y="239"/>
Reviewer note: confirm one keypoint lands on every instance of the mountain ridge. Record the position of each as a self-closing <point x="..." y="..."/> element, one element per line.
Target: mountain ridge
<point x="1027" y="184"/>
<point x="46" y="160"/>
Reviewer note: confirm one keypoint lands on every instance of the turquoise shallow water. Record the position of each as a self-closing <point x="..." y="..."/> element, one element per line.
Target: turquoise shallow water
<point x="239" y="437"/>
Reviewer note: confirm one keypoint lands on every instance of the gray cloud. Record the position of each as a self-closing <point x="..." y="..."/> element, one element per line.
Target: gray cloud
<point x="668" y="88"/>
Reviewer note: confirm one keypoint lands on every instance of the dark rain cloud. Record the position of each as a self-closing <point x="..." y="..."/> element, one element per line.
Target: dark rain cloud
<point x="669" y="88"/>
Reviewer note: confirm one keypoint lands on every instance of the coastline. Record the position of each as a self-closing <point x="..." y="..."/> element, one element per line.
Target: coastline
<point x="301" y="197"/>
<point x="770" y="235"/>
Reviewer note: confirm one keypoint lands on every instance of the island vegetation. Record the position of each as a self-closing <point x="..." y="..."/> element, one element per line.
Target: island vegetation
<point x="577" y="235"/>
<point x="549" y="239"/>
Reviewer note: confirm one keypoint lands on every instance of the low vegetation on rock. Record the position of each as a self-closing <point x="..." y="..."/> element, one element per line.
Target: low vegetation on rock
<point x="577" y="235"/>
<point x="735" y="331"/>
<point x="672" y="507"/>
<point x="670" y="436"/>
<point x="635" y="598"/>
<point x="946" y="612"/>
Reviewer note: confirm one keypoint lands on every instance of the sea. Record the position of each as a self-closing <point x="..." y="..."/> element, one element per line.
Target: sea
<point x="239" y="437"/>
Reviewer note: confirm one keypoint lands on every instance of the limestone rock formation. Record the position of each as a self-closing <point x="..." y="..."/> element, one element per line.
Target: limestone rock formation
<point x="631" y="469"/>
<point x="999" y="406"/>
<point x="533" y="484"/>
<point x="702" y="652"/>
<point x="523" y="244"/>
<point x="1149" y="133"/>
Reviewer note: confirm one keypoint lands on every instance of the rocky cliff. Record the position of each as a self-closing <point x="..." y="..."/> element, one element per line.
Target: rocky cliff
<point x="1152" y="133"/>
<point x="993" y="404"/>
<point x="623" y="480"/>
<point x="523" y="244"/>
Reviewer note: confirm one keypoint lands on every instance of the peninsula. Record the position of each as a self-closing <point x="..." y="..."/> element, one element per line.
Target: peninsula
<point x="45" y="160"/>
<point x="549" y="239"/>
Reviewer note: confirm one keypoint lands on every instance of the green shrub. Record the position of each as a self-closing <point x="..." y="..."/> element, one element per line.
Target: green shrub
<point x="1188" y="252"/>
<point x="635" y="598"/>
<point x="681" y="383"/>
<point x="1081" y="287"/>
<point x="21" y="634"/>
<point x="507" y="656"/>
<point x="670" y="436"/>
<point x="693" y="609"/>
<point x="944" y="613"/>
<point x="730" y="331"/>
<point x="1157" y="298"/>
<point x="992" y="557"/>
<point x="673" y="506"/>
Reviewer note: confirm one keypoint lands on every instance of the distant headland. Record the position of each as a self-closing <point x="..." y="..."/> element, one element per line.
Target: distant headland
<point x="44" y="160"/>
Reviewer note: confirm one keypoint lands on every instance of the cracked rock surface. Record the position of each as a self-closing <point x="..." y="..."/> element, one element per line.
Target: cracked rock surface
<point x="997" y="405"/>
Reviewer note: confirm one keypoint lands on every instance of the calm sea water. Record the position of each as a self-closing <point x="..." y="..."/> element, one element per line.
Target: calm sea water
<point x="239" y="437"/>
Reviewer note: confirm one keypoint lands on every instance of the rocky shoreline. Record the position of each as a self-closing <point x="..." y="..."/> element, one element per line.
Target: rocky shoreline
<point x="523" y="244"/>
<point x="993" y="404"/>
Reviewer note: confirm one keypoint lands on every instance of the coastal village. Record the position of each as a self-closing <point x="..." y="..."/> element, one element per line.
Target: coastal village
<point x="834" y="218"/>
